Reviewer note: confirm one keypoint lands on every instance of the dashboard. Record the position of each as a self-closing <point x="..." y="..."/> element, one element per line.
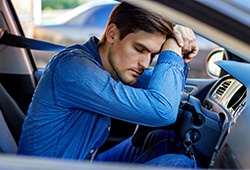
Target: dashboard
<point x="229" y="99"/>
<point x="223" y="115"/>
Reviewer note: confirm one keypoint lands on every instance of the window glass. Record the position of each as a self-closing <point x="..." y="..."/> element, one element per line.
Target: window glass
<point x="99" y="17"/>
<point x="96" y="16"/>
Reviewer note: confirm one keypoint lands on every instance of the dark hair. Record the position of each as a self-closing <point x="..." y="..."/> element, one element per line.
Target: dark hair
<point x="130" y="19"/>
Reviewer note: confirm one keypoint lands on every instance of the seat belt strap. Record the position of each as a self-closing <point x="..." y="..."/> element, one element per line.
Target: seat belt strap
<point x="27" y="43"/>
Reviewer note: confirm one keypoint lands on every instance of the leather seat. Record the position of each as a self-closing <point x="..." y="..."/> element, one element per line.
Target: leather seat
<point x="11" y="119"/>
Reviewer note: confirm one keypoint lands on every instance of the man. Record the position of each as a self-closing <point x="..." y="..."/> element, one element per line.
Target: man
<point x="83" y="86"/>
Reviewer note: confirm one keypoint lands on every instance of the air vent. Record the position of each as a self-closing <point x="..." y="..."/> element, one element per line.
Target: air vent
<point x="221" y="89"/>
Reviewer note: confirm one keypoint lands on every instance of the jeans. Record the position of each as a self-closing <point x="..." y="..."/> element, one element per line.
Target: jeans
<point x="161" y="148"/>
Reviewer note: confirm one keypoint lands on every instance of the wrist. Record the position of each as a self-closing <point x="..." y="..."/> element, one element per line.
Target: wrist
<point x="171" y="44"/>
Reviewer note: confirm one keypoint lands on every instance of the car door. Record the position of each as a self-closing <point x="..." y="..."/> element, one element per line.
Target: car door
<point x="17" y="66"/>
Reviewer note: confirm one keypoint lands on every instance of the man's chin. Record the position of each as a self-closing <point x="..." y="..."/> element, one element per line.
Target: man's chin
<point x="131" y="81"/>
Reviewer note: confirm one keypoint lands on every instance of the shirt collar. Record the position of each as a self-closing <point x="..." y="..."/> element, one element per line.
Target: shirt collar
<point x="91" y="46"/>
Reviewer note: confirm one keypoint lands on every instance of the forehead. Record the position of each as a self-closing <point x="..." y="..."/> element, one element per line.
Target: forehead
<point x="151" y="41"/>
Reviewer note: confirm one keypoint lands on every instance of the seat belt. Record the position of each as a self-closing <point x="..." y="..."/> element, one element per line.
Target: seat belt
<point x="27" y="43"/>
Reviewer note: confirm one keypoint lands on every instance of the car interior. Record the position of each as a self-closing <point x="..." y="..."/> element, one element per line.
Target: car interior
<point x="212" y="117"/>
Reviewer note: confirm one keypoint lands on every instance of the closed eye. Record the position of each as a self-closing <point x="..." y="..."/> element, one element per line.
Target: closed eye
<point x="140" y="50"/>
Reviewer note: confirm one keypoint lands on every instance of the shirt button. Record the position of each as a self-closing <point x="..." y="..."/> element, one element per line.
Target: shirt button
<point x="109" y="128"/>
<point x="92" y="151"/>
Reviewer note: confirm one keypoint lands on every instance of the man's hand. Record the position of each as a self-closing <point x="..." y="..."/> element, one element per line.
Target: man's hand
<point x="186" y="39"/>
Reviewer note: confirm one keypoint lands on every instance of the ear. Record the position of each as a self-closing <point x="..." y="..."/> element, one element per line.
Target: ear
<point x="112" y="33"/>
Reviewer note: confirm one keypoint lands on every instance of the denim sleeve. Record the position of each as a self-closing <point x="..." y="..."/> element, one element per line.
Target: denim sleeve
<point x="143" y="81"/>
<point x="79" y="83"/>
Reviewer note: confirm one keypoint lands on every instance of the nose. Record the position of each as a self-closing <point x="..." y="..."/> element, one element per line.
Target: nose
<point x="145" y="61"/>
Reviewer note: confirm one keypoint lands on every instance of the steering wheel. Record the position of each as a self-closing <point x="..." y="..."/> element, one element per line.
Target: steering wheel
<point x="202" y="127"/>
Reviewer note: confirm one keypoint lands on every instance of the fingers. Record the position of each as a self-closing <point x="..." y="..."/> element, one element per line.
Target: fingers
<point x="178" y="35"/>
<point x="186" y="39"/>
<point x="189" y="56"/>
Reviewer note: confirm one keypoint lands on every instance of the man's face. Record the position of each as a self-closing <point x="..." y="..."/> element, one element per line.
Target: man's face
<point x="130" y="56"/>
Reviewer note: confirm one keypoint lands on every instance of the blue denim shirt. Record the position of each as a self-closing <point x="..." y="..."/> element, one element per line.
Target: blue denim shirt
<point x="69" y="116"/>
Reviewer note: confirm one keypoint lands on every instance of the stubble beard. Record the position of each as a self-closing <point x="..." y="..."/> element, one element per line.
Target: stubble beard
<point x="121" y="74"/>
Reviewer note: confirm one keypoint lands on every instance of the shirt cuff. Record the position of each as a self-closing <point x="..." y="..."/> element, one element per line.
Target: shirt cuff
<point x="170" y="56"/>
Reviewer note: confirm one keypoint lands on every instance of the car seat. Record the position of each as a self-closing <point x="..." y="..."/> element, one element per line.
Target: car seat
<point x="11" y="120"/>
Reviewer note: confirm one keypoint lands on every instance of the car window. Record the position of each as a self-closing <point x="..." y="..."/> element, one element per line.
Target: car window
<point x="96" y="16"/>
<point x="99" y="17"/>
<point x="198" y="64"/>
